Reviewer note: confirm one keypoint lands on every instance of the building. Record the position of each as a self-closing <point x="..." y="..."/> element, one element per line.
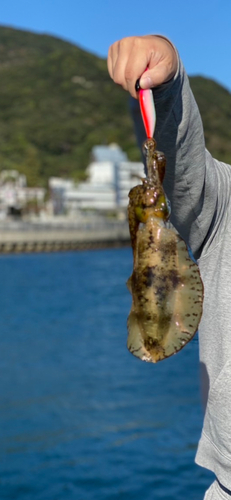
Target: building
<point x="110" y="177"/>
<point x="15" y="196"/>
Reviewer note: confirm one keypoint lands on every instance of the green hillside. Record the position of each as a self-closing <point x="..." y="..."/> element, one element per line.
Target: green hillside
<point x="57" y="101"/>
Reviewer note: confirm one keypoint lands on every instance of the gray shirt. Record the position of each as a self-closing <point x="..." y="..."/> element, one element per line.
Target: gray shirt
<point x="198" y="187"/>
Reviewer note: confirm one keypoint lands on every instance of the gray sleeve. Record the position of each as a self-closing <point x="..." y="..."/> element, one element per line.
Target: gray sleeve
<point x="197" y="186"/>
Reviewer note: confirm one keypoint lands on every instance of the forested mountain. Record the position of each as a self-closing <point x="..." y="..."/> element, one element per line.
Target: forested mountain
<point x="57" y="101"/>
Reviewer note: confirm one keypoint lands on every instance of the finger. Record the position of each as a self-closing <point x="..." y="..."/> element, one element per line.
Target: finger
<point x="161" y="68"/>
<point x="120" y="62"/>
<point x="152" y="78"/>
<point x="112" y="58"/>
<point x="124" y="66"/>
<point x="109" y="61"/>
<point x="135" y="68"/>
<point x="156" y="76"/>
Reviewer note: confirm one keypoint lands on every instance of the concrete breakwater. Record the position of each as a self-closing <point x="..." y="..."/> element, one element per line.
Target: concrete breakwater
<point x="17" y="237"/>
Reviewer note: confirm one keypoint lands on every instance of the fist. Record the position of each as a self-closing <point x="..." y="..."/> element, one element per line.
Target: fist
<point x="151" y="58"/>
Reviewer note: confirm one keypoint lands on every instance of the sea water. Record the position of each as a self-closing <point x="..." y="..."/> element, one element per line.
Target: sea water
<point x="80" y="417"/>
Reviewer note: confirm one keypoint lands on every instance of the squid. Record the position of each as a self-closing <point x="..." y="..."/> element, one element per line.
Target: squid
<point x="166" y="287"/>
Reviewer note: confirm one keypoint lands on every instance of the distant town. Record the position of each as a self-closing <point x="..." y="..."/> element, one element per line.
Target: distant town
<point x="110" y="176"/>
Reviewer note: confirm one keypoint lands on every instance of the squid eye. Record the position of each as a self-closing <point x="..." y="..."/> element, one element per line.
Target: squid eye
<point x="140" y="214"/>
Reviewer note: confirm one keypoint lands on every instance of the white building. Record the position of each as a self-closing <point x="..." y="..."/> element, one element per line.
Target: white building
<point x="15" y="195"/>
<point x="110" y="178"/>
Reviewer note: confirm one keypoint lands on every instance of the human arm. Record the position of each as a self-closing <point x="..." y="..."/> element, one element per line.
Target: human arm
<point x="196" y="184"/>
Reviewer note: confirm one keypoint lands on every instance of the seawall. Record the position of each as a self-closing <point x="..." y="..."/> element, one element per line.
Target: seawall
<point x="27" y="237"/>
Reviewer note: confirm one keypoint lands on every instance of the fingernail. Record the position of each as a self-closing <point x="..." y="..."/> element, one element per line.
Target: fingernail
<point x="146" y="82"/>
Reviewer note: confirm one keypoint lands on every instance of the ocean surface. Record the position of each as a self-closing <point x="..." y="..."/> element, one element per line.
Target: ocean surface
<point x="80" y="417"/>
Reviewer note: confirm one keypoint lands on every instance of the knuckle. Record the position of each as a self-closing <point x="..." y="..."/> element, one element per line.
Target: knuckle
<point x="128" y="42"/>
<point x="137" y="40"/>
<point x="128" y="75"/>
<point x="117" y="77"/>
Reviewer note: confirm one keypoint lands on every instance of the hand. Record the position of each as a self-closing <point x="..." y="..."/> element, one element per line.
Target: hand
<point x="128" y="59"/>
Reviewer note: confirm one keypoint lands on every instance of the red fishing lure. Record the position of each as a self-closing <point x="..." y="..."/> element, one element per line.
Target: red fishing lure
<point x="147" y="109"/>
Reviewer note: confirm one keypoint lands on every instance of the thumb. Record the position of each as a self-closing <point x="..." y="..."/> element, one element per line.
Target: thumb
<point x="152" y="78"/>
<point x="156" y="76"/>
<point x="146" y="80"/>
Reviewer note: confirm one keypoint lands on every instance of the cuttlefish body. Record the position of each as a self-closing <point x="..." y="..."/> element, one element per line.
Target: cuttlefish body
<point x="166" y="288"/>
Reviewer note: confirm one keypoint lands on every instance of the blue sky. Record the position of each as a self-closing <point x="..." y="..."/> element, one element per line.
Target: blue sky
<point x="200" y="29"/>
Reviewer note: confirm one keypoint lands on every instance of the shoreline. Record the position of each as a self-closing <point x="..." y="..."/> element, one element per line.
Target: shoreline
<point x="45" y="238"/>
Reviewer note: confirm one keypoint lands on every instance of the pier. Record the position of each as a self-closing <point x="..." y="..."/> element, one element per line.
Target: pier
<point x="27" y="237"/>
